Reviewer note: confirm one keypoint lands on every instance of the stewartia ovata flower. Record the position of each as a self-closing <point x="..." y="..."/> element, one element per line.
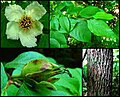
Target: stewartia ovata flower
<point x="24" y="24"/>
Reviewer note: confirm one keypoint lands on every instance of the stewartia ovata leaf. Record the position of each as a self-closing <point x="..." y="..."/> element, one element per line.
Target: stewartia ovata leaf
<point x="81" y="32"/>
<point x="64" y="23"/>
<point x="4" y="78"/>
<point x="100" y="28"/>
<point x="89" y="11"/>
<point x="54" y="43"/>
<point x="24" y="58"/>
<point x="54" y="23"/>
<point x="103" y="15"/>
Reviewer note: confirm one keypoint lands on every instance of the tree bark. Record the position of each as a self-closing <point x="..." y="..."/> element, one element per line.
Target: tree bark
<point x="100" y="62"/>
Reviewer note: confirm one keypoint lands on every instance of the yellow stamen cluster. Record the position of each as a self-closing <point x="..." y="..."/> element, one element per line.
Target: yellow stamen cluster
<point x="26" y="23"/>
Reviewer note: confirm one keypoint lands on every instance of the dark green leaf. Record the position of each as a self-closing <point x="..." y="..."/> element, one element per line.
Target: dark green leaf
<point x="89" y="11"/>
<point x="100" y="28"/>
<point x="81" y="32"/>
<point x="44" y="41"/>
<point x="103" y="15"/>
<point x="59" y="7"/>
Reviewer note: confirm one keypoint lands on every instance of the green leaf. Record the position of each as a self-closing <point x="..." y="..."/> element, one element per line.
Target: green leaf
<point x="12" y="90"/>
<point x="64" y="46"/>
<point x="89" y="11"/>
<point x="59" y="7"/>
<point x="77" y="73"/>
<point x="45" y="20"/>
<point x="44" y="41"/>
<point x="25" y="91"/>
<point x="17" y="71"/>
<point x="24" y="58"/>
<point x="74" y="10"/>
<point x="4" y="93"/>
<point x="103" y="15"/>
<point x="4" y="78"/>
<point x="64" y="23"/>
<point x="54" y="43"/>
<point x="74" y="84"/>
<point x="73" y="22"/>
<point x="81" y="32"/>
<point x="100" y="28"/>
<point x="54" y="23"/>
<point x="59" y="37"/>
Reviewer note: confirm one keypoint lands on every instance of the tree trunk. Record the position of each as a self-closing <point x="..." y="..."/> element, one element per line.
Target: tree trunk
<point x="100" y="62"/>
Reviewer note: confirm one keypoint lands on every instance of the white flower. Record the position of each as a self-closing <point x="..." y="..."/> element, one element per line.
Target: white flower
<point x="24" y="24"/>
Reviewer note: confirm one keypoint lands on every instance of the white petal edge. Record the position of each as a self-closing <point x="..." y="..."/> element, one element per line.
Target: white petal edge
<point x="12" y="30"/>
<point x="14" y="12"/>
<point x="28" y="40"/>
<point x="35" y="10"/>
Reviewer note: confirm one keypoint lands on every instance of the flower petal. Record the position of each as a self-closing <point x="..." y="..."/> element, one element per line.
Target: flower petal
<point x="37" y="28"/>
<point x="28" y="40"/>
<point x="35" y="10"/>
<point x="14" y="12"/>
<point x="12" y="30"/>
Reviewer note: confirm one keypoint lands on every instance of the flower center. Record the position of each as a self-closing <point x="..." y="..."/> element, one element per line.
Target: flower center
<point x="25" y="23"/>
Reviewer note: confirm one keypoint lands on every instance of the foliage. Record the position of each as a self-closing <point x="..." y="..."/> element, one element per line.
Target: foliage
<point x="12" y="86"/>
<point x="80" y="24"/>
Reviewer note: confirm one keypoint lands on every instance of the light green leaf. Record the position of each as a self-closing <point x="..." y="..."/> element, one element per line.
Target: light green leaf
<point x="73" y="22"/>
<point x="25" y="91"/>
<point x="103" y="15"/>
<point x="17" y="71"/>
<point x="64" y="46"/>
<point x="54" y="43"/>
<point x="64" y="23"/>
<point x="12" y="90"/>
<point x="4" y="93"/>
<point x="59" y="37"/>
<point x="24" y="58"/>
<point x="4" y="77"/>
<point x="100" y="28"/>
<point x="81" y="32"/>
<point x="54" y="23"/>
<point x="89" y="11"/>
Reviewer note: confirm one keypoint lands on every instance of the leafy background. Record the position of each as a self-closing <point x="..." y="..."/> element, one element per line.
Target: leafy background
<point x="84" y="24"/>
<point x="66" y="86"/>
<point x="42" y="40"/>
